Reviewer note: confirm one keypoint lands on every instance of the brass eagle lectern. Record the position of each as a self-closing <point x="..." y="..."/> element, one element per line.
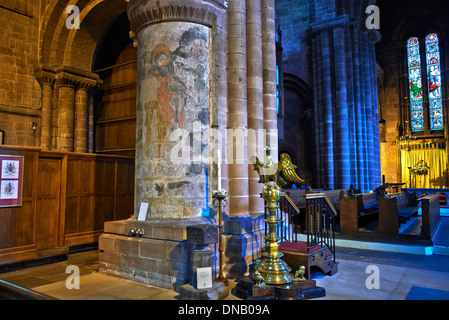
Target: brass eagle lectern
<point x="274" y="175"/>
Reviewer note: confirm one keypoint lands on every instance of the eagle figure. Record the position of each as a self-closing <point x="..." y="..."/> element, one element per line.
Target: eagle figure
<point x="281" y="173"/>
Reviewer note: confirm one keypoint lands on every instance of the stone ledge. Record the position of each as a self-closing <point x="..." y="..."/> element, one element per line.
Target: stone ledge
<point x="173" y="229"/>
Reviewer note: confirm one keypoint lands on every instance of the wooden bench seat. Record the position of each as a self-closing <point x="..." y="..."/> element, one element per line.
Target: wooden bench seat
<point x="354" y="207"/>
<point x="395" y="209"/>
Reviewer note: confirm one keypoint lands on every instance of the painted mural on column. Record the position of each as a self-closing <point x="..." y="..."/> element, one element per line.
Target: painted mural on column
<point x="173" y="119"/>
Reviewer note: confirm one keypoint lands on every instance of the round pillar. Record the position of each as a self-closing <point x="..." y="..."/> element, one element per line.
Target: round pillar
<point x="175" y="70"/>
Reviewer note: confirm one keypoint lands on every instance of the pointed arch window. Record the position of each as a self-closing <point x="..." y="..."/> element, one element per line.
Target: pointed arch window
<point x="416" y="87"/>
<point x="434" y="82"/>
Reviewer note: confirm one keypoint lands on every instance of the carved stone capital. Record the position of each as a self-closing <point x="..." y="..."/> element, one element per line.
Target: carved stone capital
<point x="329" y="25"/>
<point x="142" y="13"/>
<point x="45" y="75"/>
<point x="76" y="78"/>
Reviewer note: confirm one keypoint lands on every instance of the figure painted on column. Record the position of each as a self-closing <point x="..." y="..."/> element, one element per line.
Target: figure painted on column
<point x="171" y="91"/>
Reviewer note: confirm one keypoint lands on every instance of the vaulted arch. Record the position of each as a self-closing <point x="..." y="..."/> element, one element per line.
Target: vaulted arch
<point x="60" y="45"/>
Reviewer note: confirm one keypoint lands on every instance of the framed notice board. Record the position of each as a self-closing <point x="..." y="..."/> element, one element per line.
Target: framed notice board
<point x="11" y="178"/>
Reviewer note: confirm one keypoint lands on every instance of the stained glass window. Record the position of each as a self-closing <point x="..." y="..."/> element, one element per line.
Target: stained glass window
<point x="415" y="84"/>
<point x="434" y="82"/>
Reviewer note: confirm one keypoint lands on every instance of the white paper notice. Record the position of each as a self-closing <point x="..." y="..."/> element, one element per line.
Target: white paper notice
<point x="143" y="211"/>
<point x="204" y="278"/>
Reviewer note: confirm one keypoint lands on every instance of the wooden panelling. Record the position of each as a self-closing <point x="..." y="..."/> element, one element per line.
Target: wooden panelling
<point x="48" y="203"/>
<point x="67" y="197"/>
<point x="115" y="124"/>
<point x="17" y="224"/>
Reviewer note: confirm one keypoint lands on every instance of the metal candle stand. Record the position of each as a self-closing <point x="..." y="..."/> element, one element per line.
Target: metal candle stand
<point x="219" y="196"/>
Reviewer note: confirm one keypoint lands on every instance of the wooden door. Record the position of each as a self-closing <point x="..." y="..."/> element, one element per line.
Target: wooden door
<point x="48" y="203"/>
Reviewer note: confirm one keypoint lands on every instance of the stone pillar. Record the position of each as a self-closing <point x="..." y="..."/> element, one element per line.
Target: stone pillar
<point x="81" y="115"/>
<point x="173" y="105"/>
<point x="237" y="153"/>
<point x="328" y="142"/>
<point x="342" y="116"/>
<point x="46" y="78"/>
<point x="81" y="120"/>
<point x="70" y="120"/>
<point x="318" y="113"/>
<point x="269" y="75"/>
<point x="180" y="95"/>
<point x="255" y="102"/>
<point x="345" y="89"/>
<point x="368" y="91"/>
<point x="375" y="37"/>
<point x="359" y="121"/>
<point x="179" y="77"/>
<point x="65" y="116"/>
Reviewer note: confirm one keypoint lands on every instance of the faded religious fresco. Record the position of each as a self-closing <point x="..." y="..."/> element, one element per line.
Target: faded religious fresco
<point x="173" y="96"/>
<point x="180" y="75"/>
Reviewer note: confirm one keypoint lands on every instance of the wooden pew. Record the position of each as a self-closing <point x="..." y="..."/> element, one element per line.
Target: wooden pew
<point x="430" y="206"/>
<point x="395" y="209"/>
<point x="353" y="207"/>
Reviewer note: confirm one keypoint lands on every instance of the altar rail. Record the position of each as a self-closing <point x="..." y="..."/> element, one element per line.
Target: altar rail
<point x="66" y="199"/>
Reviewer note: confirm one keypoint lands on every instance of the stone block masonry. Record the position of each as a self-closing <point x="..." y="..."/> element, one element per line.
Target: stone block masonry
<point x="160" y="257"/>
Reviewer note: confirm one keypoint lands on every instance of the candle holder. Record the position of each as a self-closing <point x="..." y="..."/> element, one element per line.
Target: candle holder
<point x="271" y="268"/>
<point x="219" y="200"/>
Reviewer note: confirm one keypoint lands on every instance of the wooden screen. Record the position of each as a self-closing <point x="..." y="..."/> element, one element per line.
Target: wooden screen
<point x="67" y="198"/>
<point x="115" y="126"/>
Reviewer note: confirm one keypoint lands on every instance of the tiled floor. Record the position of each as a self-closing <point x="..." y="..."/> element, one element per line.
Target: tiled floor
<point x="401" y="277"/>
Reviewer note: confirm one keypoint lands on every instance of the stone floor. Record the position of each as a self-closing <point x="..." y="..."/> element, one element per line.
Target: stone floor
<point x="400" y="277"/>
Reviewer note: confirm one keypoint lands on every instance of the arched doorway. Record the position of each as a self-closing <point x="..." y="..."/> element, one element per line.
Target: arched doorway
<point x="298" y="125"/>
<point x="115" y="102"/>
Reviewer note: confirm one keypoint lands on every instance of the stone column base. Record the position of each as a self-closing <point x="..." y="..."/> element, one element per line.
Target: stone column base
<point x="244" y="239"/>
<point x="159" y="256"/>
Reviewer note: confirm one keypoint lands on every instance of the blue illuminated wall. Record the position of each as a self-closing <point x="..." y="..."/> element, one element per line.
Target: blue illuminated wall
<point x="328" y="46"/>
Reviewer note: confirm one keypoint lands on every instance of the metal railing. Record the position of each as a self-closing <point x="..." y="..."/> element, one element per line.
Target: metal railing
<point x="320" y="221"/>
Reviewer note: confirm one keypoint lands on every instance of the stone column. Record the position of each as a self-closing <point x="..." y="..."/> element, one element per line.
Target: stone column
<point x="81" y="112"/>
<point x="358" y="94"/>
<point x="342" y="116"/>
<point x="368" y="91"/>
<point x="375" y="37"/>
<point x="46" y="78"/>
<point x="174" y="104"/>
<point x="237" y="153"/>
<point x="328" y="142"/>
<point x="80" y="120"/>
<point x="70" y="121"/>
<point x="65" y="119"/>
<point x="317" y="93"/>
<point x="269" y="75"/>
<point x="255" y="101"/>
<point x="180" y="96"/>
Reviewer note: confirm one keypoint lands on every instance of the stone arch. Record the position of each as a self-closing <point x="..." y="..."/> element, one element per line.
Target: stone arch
<point x="299" y="86"/>
<point x="59" y="45"/>
<point x="298" y="124"/>
<point x="417" y="25"/>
